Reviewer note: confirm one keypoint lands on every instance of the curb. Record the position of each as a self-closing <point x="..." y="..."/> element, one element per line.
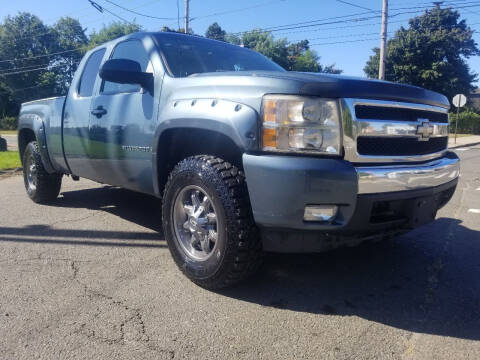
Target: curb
<point x="10" y="172"/>
<point x="464" y="145"/>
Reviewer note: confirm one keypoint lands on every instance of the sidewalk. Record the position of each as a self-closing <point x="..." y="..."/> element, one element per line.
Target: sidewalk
<point x="464" y="141"/>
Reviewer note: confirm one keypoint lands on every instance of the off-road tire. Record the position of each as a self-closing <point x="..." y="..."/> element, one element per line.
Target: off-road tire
<point x="47" y="185"/>
<point x="239" y="252"/>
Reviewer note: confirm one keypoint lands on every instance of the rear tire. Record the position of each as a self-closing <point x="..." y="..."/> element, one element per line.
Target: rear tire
<point x="41" y="186"/>
<point x="213" y="238"/>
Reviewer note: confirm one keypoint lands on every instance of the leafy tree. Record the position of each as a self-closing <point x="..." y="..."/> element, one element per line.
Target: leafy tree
<point x="291" y="56"/>
<point x="7" y="101"/>
<point x="167" y="29"/>
<point x="24" y="42"/>
<point x="307" y="61"/>
<point x="112" y="31"/>
<point x="215" y="32"/>
<point x="233" y="39"/>
<point x="264" y="43"/>
<point x="180" y="30"/>
<point x="69" y="36"/>
<point x="430" y="53"/>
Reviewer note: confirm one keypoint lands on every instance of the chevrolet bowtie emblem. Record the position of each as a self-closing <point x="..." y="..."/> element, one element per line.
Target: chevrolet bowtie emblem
<point x="425" y="130"/>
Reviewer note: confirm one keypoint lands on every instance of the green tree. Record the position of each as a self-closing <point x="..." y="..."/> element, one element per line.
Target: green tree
<point x="72" y="43"/>
<point x="24" y="42"/>
<point x="291" y="56"/>
<point x="265" y="43"/>
<point x="430" y="53"/>
<point x="307" y="61"/>
<point x="180" y="30"/>
<point x="112" y="31"/>
<point x="215" y="32"/>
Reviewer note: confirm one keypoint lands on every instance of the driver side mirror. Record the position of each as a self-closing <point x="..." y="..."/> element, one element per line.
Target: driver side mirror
<point x="125" y="71"/>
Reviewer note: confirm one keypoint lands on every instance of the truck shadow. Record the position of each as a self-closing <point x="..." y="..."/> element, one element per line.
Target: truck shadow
<point x="427" y="281"/>
<point x="141" y="209"/>
<point x="138" y="208"/>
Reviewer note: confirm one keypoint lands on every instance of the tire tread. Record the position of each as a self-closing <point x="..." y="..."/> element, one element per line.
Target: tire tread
<point x="244" y="251"/>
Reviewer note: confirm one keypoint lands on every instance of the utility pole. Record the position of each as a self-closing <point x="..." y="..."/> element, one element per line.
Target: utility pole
<point x="187" y="18"/>
<point x="383" y="44"/>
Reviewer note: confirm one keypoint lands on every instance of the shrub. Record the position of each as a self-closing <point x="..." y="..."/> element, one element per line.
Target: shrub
<point x="468" y="123"/>
<point x="8" y="123"/>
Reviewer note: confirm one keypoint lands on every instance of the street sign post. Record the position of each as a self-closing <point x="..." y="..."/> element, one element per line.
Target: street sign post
<point x="459" y="101"/>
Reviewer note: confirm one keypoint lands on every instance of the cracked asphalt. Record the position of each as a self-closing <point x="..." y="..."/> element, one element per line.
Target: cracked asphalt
<point x="90" y="277"/>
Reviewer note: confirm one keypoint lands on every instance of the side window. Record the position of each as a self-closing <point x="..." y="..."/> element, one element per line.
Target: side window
<point x="89" y="75"/>
<point x="131" y="50"/>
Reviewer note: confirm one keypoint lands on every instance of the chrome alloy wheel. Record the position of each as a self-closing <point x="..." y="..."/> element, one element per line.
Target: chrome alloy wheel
<point x="31" y="172"/>
<point x="195" y="222"/>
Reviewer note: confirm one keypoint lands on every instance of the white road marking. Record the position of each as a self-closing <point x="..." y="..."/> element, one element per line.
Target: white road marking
<point x="462" y="149"/>
<point x="478" y="189"/>
<point x="475" y="211"/>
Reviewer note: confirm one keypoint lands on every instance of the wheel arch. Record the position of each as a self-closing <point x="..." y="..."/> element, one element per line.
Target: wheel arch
<point x="202" y="127"/>
<point x="32" y="128"/>
<point x="179" y="143"/>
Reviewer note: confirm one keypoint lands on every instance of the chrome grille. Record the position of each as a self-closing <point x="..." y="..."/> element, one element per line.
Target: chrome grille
<point x="386" y="132"/>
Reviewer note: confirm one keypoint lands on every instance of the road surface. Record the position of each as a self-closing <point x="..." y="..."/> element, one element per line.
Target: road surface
<point x="91" y="277"/>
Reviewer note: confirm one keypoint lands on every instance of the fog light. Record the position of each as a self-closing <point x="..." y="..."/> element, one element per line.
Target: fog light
<point x="320" y="212"/>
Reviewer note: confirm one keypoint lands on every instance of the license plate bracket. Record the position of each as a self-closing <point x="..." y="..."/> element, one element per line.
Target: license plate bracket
<point x="422" y="211"/>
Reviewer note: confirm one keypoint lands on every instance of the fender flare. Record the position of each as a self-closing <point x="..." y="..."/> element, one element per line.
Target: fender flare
<point x="36" y="124"/>
<point x="234" y="120"/>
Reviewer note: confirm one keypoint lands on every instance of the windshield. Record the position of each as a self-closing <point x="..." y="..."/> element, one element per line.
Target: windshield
<point x="186" y="55"/>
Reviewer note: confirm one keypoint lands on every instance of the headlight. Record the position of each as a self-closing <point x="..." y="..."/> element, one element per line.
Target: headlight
<point x="300" y="124"/>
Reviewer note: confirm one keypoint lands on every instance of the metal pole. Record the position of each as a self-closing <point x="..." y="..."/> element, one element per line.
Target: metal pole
<point x="456" y="120"/>
<point x="383" y="43"/>
<point x="187" y="3"/>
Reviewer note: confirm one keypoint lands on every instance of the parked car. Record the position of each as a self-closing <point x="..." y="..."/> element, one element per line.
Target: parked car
<point x="245" y="156"/>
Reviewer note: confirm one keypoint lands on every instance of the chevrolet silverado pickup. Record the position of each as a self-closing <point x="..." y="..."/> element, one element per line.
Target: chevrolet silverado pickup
<point x="245" y="156"/>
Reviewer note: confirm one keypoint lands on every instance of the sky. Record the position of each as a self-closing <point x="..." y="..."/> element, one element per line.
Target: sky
<point x="347" y="44"/>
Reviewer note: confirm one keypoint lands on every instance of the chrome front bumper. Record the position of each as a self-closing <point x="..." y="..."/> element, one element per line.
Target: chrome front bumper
<point x="380" y="179"/>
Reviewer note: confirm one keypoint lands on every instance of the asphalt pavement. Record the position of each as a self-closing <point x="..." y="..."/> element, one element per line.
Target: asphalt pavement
<point x="90" y="277"/>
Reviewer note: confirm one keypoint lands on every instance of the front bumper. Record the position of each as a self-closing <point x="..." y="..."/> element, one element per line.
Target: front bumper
<point x="370" y="199"/>
<point x="379" y="179"/>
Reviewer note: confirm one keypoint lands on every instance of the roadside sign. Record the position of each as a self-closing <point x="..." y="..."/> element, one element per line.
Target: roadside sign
<point x="459" y="100"/>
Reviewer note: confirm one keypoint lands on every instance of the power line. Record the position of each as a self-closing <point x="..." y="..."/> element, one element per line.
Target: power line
<point x="355" y="5"/>
<point x="37" y="69"/>
<point x="7" y="71"/>
<point x="341" y="27"/>
<point x="45" y="55"/>
<point x="139" y="13"/>
<point x="344" y="42"/>
<point x="306" y="24"/>
<point x="25" y="88"/>
<point x="342" y="19"/>
<point x="237" y="10"/>
<point x="102" y="9"/>
<point x="85" y="22"/>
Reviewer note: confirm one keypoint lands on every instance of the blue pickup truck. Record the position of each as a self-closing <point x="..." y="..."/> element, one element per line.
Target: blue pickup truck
<point x="245" y="156"/>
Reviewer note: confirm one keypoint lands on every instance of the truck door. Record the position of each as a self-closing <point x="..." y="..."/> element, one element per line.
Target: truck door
<point x="76" y="118"/>
<point x="121" y="126"/>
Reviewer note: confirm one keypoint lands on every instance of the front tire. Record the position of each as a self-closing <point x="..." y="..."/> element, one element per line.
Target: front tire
<point x="208" y="224"/>
<point x="41" y="186"/>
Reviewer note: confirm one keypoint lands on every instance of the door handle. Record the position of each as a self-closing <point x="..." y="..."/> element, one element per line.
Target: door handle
<point x="99" y="111"/>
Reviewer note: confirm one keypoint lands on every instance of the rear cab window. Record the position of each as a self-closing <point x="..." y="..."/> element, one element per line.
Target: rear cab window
<point x="90" y="72"/>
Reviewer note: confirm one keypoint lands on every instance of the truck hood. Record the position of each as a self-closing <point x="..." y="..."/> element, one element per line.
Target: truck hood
<point x="330" y="86"/>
